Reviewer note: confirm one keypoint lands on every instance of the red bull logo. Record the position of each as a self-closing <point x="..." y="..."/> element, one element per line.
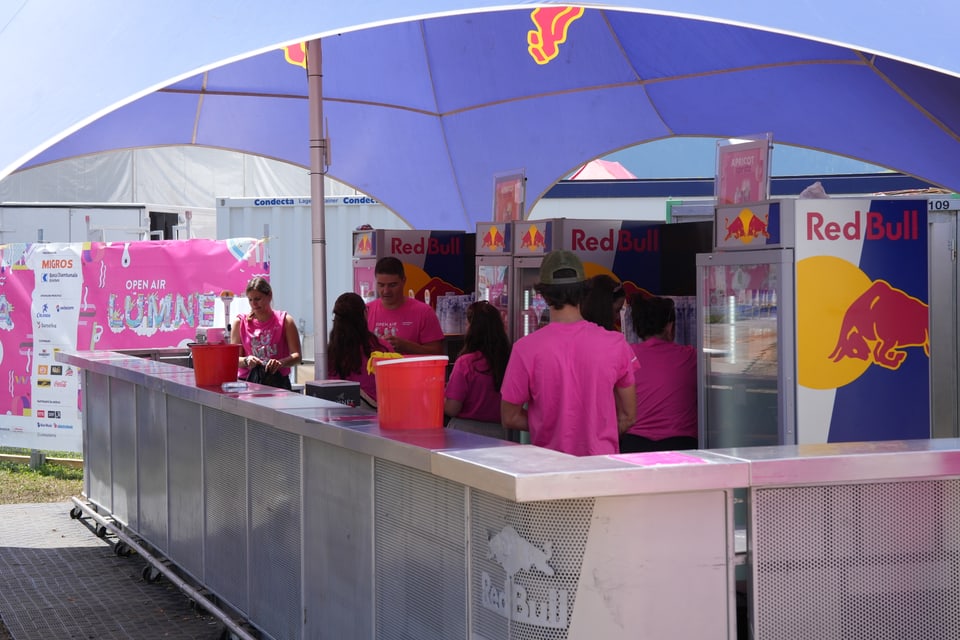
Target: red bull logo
<point x="426" y="246"/>
<point x="855" y="322"/>
<point x="551" y="24"/>
<point x="872" y="226"/>
<point x="533" y="239"/>
<point x="746" y="227"/>
<point x="493" y="239"/>
<point x="616" y="241"/>
<point x="364" y="245"/>
<point x="296" y="54"/>
<point x="880" y="323"/>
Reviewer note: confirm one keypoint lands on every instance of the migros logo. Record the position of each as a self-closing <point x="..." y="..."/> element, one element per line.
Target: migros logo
<point x="56" y="263"/>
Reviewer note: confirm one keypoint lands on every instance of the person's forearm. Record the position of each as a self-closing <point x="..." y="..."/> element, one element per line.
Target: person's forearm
<point x="408" y="347"/>
<point x="513" y="417"/>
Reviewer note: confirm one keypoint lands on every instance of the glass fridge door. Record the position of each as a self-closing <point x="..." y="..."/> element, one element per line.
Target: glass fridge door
<point x="493" y="280"/>
<point x="745" y="309"/>
<point x="531" y="311"/>
<point x="364" y="282"/>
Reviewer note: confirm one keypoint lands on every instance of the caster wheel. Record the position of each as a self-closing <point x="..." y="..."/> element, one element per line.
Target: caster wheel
<point x="75" y="513"/>
<point x="101" y="531"/>
<point x="122" y="549"/>
<point x="150" y="573"/>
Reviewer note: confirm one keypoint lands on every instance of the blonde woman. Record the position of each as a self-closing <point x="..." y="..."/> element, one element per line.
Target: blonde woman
<point x="269" y="340"/>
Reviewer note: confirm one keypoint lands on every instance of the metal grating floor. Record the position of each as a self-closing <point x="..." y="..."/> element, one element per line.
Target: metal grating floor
<point x="58" y="580"/>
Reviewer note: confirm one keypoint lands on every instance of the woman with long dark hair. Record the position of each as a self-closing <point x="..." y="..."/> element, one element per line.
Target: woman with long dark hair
<point x="351" y="344"/>
<point x="666" y="382"/>
<point x="473" y="390"/>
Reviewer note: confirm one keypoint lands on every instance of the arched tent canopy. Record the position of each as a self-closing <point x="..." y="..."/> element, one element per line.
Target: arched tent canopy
<point x="66" y="63"/>
<point x="423" y="113"/>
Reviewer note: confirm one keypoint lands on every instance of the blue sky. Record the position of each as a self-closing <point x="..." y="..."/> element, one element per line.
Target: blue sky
<point x="696" y="158"/>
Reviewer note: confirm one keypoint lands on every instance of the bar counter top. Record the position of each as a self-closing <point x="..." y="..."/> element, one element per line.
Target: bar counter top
<point x="528" y="473"/>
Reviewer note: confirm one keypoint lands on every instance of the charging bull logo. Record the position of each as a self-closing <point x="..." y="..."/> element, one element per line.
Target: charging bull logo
<point x="880" y="323"/>
<point x="493" y="239"/>
<point x="364" y="245"/>
<point x="847" y="322"/>
<point x="533" y="239"/>
<point x="551" y="24"/>
<point x="546" y="606"/>
<point x="296" y="54"/>
<point x="746" y="227"/>
<point x="514" y="553"/>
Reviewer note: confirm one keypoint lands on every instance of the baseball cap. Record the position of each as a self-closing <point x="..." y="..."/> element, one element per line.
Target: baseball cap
<point x="561" y="267"/>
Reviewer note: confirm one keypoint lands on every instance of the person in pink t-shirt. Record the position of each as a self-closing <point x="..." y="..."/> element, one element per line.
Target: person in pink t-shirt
<point x="410" y="326"/>
<point x="473" y="390"/>
<point x="268" y="338"/>
<point x="575" y="378"/>
<point x="351" y="344"/>
<point x="666" y="382"/>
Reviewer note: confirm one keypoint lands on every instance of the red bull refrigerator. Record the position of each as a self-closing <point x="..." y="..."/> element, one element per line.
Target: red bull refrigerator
<point x="645" y="256"/>
<point x="495" y="267"/>
<point x="813" y="323"/>
<point x="435" y="262"/>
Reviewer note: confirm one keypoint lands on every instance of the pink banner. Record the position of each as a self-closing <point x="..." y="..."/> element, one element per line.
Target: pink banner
<point x="156" y="294"/>
<point x="138" y="295"/>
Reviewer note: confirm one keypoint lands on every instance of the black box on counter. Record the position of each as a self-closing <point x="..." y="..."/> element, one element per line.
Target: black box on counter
<point x="342" y="391"/>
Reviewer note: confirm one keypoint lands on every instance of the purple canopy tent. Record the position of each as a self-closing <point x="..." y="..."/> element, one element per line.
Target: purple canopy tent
<point x="421" y="114"/>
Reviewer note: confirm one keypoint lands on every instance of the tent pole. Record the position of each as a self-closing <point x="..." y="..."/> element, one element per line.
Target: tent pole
<point x="318" y="171"/>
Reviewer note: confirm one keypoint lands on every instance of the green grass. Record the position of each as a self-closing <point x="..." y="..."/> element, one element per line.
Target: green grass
<point x="49" y="483"/>
<point x="75" y="455"/>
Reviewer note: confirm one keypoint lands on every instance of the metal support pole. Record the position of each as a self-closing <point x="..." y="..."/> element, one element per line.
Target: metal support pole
<point x="318" y="171"/>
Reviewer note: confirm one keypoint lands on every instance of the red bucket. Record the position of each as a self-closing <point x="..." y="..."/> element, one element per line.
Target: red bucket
<point x="410" y="392"/>
<point x="214" y="364"/>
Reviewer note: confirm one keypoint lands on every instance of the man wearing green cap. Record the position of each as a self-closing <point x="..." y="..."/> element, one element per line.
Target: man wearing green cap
<point x="575" y="377"/>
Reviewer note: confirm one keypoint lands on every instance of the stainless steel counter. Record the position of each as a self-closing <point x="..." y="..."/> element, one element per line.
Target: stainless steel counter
<point x="303" y="514"/>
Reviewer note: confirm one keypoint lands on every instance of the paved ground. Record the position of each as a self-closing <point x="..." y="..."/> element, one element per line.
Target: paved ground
<point x="59" y="580"/>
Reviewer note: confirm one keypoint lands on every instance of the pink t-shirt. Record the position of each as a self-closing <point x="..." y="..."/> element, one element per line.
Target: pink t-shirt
<point x="264" y="340"/>
<point x="666" y="390"/>
<point x="414" y="321"/>
<point x="567" y="373"/>
<point x="472" y="384"/>
<point x="368" y="382"/>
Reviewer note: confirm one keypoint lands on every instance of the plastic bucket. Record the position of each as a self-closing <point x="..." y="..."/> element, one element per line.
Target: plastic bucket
<point x="214" y="364"/>
<point x="410" y="392"/>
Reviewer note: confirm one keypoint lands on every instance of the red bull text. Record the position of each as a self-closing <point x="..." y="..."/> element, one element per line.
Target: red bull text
<point x="426" y="246"/>
<point x="871" y="226"/>
<point x="616" y="240"/>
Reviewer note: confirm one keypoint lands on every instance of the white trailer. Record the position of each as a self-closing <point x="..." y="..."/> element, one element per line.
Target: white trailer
<point x="286" y="222"/>
<point x="102" y="222"/>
